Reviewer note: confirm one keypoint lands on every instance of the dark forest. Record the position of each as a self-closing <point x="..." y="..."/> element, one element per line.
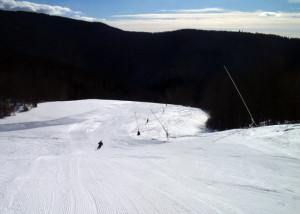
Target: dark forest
<point x="50" y="58"/>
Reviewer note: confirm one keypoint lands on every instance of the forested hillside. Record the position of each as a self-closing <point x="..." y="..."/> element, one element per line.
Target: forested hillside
<point x="45" y="58"/>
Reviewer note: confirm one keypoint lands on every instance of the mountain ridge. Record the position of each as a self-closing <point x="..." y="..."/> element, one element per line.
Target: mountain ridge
<point x="93" y="60"/>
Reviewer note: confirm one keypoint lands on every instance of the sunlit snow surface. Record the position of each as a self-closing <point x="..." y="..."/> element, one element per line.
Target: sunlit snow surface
<point x="49" y="162"/>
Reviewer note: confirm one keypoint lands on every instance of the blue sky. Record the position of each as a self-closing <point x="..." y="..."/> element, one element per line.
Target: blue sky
<point x="280" y="17"/>
<point x="105" y="9"/>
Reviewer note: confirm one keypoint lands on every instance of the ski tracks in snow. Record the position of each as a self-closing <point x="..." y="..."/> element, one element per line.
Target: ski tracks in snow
<point x="54" y="168"/>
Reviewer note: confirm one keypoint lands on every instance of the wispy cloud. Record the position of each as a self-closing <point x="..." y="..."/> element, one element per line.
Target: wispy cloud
<point x="229" y="14"/>
<point x="43" y="8"/>
<point x="214" y="9"/>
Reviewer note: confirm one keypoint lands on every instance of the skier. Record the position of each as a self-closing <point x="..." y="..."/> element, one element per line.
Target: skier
<point x="100" y="144"/>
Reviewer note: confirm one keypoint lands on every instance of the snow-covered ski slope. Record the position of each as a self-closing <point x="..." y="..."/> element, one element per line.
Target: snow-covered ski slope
<point x="49" y="162"/>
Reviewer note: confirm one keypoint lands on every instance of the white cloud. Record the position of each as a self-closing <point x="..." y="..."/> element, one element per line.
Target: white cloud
<point x="235" y="16"/>
<point x="270" y="14"/>
<point x="214" y="9"/>
<point x="294" y="1"/>
<point x="33" y="7"/>
<point x="88" y="19"/>
<point x="42" y="8"/>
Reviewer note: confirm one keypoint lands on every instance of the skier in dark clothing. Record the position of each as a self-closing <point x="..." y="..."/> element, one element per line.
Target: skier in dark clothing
<point x="100" y="144"/>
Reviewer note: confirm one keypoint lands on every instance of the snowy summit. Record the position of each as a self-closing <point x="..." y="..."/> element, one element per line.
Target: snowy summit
<point x="49" y="162"/>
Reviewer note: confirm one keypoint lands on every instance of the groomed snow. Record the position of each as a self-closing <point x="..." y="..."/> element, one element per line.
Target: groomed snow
<point x="49" y="162"/>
